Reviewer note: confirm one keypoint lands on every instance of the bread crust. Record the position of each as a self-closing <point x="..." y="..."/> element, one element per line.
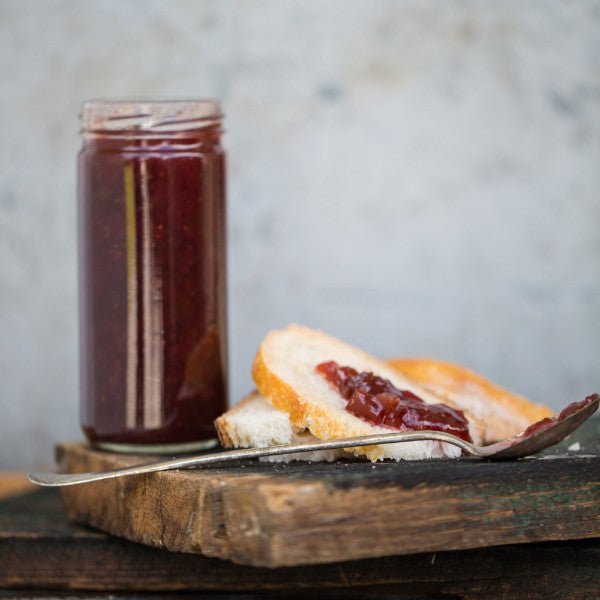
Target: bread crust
<point x="452" y="381"/>
<point x="301" y="413"/>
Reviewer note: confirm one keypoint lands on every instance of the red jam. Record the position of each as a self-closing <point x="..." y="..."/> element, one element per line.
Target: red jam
<point x="567" y="412"/>
<point x="152" y="281"/>
<point x="378" y="401"/>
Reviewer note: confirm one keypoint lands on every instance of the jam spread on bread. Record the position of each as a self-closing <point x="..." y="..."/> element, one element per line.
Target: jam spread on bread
<point x="567" y="412"/>
<point x="377" y="401"/>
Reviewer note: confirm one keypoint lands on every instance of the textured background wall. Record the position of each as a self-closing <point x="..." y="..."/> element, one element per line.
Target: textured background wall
<point x="417" y="177"/>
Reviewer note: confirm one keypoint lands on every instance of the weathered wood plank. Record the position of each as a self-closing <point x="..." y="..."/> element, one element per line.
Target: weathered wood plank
<point x="279" y="515"/>
<point x="40" y="548"/>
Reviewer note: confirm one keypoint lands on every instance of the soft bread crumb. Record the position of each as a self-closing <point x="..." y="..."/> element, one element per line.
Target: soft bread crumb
<point x="254" y="423"/>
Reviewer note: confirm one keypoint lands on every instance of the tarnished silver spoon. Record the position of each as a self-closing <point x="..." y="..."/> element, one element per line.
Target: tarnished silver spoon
<point x="534" y="439"/>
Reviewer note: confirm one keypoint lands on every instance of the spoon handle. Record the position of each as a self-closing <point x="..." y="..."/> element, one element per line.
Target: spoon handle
<point x="62" y="479"/>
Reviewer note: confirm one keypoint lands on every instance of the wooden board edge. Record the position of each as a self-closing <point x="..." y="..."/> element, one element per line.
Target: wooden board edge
<point x="256" y="520"/>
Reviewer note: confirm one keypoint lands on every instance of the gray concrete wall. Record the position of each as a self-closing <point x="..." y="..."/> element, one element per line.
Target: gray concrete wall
<point x="419" y="178"/>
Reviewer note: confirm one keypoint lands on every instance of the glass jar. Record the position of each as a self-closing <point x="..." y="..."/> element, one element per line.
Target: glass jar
<point x="153" y="336"/>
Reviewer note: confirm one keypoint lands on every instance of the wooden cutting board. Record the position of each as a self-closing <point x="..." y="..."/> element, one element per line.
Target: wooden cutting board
<point x="40" y="550"/>
<point x="273" y="515"/>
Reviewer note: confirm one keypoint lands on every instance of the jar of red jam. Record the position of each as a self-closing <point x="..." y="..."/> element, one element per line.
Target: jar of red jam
<point x="153" y="339"/>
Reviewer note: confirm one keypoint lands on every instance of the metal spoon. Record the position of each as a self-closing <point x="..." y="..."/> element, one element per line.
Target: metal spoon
<point x="515" y="447"/>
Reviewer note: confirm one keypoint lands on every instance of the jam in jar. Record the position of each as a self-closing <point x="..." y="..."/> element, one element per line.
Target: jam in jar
<point x="151" y="189"/>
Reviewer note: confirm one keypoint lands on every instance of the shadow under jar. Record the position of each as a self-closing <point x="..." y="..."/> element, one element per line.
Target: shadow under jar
<point x="151" y="187"/>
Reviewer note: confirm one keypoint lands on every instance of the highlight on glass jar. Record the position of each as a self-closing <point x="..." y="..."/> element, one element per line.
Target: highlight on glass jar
<point x="153" y="331"/>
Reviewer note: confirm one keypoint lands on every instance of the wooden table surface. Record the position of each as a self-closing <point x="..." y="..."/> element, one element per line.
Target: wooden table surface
<point x="297" y="514"/>
<point x="43" y="554"/>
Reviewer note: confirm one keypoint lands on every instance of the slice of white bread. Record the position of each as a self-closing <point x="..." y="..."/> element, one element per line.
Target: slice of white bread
<point x="254" y="423"/>
<point x="284" y="372"/>
<point x="503" y="413"/>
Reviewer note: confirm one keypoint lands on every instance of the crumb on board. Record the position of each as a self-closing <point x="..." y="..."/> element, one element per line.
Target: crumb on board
<point x="576" y="447"/>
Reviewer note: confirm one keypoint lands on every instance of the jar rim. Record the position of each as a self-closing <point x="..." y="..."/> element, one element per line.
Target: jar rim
<point x="148" y="116"/>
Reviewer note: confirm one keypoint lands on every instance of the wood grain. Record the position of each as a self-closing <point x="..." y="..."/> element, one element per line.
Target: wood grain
<point x="13" y="483"/>
<point x="41" y="549"/>
<point x="273" y="515"/>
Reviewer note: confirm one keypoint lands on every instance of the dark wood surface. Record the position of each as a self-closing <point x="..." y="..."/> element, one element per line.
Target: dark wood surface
<point x="43" y="554"/>
<point x="276" y="515"/>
